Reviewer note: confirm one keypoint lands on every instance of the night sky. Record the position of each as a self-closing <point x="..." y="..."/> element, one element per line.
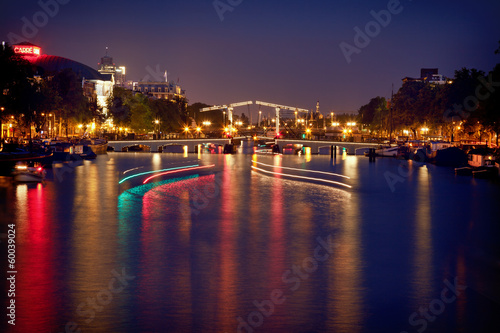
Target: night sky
<point x="280" y="51"/>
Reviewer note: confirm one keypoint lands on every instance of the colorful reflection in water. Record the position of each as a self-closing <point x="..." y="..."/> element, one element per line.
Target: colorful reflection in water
<point x="230" y="249"/>
<point x="36" y="299"/>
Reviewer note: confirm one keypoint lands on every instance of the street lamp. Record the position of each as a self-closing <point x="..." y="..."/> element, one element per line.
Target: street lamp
<point x="186" y="131"/>
<point x="198" y="130"/>
<point x="157" y="122"/>
<point x="51" y="125"/>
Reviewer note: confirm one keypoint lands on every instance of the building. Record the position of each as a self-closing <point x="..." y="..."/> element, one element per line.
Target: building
<point x="156" y="89"/>
<point x="430" y="75"/>
<point x="96" y="86"/>
<point x="159" y="89"/>
<point x="107" y="66"/>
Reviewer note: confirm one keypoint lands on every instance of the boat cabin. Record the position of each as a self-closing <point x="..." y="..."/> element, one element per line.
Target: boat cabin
<point x="480" y="157"/>
<point x="440" y="145"/>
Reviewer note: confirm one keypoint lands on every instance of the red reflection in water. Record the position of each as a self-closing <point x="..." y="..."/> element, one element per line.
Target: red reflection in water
<point x="35" y="285"/>
<point x="227" y="271"/>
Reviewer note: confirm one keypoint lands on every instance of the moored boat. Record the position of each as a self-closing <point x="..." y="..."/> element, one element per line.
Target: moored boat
<point x="12" y="154"/>
<point x="486" y="172"/>
<point x="98" y="146"/>
<point x="388" y="151"/>
<point x="27" y="174"/>
<point x="463" y="171"/>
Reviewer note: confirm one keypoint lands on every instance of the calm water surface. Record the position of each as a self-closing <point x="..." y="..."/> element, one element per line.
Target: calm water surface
<point x="409" y="248"/>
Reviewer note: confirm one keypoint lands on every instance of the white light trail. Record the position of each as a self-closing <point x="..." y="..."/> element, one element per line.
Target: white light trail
<point x="302" y="177"/>
<point x="304" y="170"/>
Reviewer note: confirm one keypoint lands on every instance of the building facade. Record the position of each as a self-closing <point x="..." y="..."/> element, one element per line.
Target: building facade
<point x="108" y="67"/>
<point x="160" y="90"/>
<point x="430" y="75"/>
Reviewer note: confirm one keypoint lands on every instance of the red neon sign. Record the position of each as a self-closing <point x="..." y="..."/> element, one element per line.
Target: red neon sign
<point x="28" y="50"/>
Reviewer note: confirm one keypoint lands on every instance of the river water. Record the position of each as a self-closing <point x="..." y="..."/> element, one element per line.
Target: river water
<point x="407" y="248"/>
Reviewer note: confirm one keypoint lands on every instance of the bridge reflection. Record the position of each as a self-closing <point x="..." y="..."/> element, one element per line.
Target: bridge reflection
<point x="193" y="144"/>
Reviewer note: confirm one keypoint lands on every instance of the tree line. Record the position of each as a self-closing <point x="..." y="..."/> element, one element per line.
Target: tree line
<point x="469" y="106"/>
<point x="141" y="114"/>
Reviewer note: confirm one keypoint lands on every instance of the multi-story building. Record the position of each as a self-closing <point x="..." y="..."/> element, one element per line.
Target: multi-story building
<point x="430" y="75"/>
<point x="107" y="66"/>
<point x="96" y="86"/>
<point x="159" y="89"/>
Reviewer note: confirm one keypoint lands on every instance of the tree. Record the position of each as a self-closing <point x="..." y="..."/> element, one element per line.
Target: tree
<point x="375" y="115"/>
<point x="198" y="116"/>
<point x="244" y="119"/>
<point x="73" y="106"/>
<point x="488" y="112"/>
<point x="141" y="117"/>
<point x="167" y="112"/>
<point x="118" y="106"/>
<point x="417" y="104"/>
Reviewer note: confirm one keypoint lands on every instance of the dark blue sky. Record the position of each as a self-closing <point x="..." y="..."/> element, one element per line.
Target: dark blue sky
<point x="280" y="51"/>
